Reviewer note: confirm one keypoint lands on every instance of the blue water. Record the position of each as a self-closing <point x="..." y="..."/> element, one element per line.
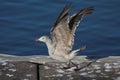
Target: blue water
<point x="22" y="21"/>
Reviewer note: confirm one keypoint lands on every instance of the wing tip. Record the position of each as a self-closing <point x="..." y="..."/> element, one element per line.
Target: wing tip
<point x="87" y="10"/>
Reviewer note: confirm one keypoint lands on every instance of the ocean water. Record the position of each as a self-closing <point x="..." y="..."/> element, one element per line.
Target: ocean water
<point x="22" y="21"/>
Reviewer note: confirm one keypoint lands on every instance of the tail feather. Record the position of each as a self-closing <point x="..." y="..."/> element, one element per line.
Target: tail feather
<point x="83" y="48"/>
<point x="75" y="52"/>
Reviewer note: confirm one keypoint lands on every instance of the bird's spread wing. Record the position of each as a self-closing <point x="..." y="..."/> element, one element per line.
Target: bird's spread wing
<point x="65" y="26"/>
<point x="60" y="31"/>
<point x="75" y="20"/>
<point x="62" y="16"/>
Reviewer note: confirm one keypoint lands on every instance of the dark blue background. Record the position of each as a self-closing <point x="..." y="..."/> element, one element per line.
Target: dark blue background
<point x="22" y="21"/>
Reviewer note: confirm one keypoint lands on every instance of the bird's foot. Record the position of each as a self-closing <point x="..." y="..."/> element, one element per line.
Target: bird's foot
<point x="66" y="67"/>
<point x="77" y="69"/>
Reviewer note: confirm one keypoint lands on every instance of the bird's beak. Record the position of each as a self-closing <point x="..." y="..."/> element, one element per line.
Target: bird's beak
<point x="37" y="40"/>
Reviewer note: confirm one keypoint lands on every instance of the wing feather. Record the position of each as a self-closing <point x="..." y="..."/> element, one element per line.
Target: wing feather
<point x="75" y="20"/>
<point x="62" y="15"/>
<point x="64" y="28"/>
<point x="60" y="32"/>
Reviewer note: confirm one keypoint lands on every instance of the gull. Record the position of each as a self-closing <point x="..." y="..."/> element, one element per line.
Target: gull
<point x="62" y="36"/>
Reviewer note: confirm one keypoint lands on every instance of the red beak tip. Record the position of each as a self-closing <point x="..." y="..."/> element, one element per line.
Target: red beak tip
<point x="37" y="40"/>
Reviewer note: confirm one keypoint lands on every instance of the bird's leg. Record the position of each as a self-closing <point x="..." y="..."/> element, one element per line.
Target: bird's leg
<point x="68" y="65"/>
<point x="76" y="65"/>
<point x="77" y="69"/>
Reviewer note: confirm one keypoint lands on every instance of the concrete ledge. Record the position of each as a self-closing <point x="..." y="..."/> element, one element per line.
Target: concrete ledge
<point x="30" y="68"/>
<point x="17" y="71"/>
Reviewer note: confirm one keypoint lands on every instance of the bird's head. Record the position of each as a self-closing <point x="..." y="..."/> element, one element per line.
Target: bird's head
<point x="42" y="39"/>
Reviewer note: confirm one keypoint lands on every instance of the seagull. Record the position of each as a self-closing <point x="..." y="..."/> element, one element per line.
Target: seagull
<point x="62" y="36"/>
